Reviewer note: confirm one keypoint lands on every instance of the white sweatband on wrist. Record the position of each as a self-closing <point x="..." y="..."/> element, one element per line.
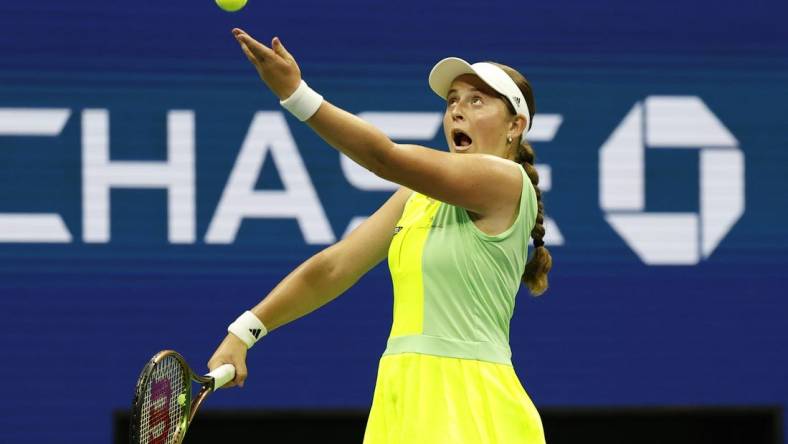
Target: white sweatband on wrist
<point x="248" y="328"/>
<point x="303" y="103"/>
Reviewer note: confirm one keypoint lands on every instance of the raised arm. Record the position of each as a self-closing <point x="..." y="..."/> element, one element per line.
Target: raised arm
<point x="481" y="183"/>
<point x="478" y="182"/>
<point x="319" y="279"/>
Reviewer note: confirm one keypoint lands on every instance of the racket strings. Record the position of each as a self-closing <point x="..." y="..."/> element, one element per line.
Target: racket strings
<point x="164" y="405"/>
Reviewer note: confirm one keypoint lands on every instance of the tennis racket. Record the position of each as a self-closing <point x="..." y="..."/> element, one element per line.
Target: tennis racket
<point x="163" y="403"/>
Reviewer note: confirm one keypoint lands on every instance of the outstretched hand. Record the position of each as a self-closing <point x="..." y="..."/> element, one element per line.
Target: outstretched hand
<point x="275" y="65"/>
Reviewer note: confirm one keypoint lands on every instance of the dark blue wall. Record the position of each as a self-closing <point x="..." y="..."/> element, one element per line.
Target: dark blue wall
<point x="79" y="319"/>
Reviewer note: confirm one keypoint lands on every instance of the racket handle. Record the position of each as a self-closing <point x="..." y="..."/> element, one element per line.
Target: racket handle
<point x="222" y="375"/>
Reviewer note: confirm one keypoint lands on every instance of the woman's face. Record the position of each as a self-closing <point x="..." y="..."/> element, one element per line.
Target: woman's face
<point x="476" y="118"/>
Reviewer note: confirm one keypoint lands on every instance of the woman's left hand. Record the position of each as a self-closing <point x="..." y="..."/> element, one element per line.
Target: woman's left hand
<point x="276" y="66"/>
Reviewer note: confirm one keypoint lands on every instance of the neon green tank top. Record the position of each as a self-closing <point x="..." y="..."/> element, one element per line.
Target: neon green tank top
<point x="454" y="285"/>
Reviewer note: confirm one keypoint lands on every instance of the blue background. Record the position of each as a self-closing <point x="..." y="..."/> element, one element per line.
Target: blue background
<point x="79" y="320"/>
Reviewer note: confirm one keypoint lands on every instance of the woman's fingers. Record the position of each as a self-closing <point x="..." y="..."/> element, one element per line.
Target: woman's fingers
<point x="261" y="52"/>
<point x="247" y="52"/>
<point x="280" y="50"/>
<point x="240" y="373"/>
<point x="276" y="67"/>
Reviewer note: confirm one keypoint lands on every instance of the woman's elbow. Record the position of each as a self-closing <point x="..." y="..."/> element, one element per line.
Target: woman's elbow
<point x="324" y="266"/>
<point x="383" y="163"/>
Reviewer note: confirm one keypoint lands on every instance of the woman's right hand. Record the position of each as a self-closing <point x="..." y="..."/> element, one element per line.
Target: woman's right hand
<point x="231" y="351"/>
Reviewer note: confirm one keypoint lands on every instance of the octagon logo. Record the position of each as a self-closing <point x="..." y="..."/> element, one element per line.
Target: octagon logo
<point x="674" y="122"/>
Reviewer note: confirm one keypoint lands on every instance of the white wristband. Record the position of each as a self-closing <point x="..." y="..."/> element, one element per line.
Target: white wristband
<point x="248" y="328"/>
<point x="303" y="103"/>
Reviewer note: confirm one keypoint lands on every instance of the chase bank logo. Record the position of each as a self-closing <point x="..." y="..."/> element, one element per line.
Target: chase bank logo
<point x="675" y="122"/>
<point x="268" y="137"/>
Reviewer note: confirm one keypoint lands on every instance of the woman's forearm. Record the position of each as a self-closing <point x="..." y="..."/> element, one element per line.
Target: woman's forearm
<point x="310" y="286"/>
<point x="351" y="135"/>
<point x="361" y="141"/>
<point x="317" y="281"/>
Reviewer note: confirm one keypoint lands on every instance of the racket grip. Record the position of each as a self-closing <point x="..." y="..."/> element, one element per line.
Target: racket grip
<point x="222" y="375"/>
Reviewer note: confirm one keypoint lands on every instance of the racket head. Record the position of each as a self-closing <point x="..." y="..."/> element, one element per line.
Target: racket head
<point x="162" y="399"/>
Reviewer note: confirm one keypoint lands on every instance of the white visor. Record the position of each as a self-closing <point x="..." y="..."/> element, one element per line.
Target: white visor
<point x="448" y="69"/>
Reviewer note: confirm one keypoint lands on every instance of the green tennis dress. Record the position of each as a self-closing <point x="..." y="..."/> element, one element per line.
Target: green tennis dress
<point x="446" y="375"/>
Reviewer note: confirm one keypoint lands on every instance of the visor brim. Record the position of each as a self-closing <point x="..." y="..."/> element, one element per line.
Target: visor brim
<point x="445" y="71"/>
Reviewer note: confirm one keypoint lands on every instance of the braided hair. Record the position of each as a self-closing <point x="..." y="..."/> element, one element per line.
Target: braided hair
<point x="535" y="276"/>
<point x="537" y="268"/>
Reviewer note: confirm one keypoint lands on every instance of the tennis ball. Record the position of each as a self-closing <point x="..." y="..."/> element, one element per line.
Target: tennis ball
<point x="182" y="399"/>
<point x="231" y="5"/>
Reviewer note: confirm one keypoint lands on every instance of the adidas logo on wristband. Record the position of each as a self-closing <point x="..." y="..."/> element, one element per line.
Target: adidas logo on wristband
<point x="248" y="328"/>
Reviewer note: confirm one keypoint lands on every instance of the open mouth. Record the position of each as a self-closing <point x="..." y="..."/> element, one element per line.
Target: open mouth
<point x="461" y="140"/>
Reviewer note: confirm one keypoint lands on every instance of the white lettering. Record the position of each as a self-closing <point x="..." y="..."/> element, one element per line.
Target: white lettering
<point x="298" y="200"/>
<point x="100" y="175"/>
<point x="31" y="227"/>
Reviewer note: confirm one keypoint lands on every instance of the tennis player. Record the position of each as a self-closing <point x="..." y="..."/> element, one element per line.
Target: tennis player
<point x="456" y="237"/>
